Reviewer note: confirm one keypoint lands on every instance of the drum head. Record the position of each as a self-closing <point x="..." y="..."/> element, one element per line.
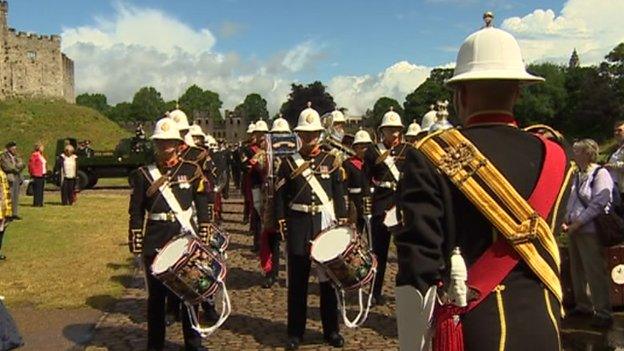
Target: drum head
<point x="331" y="244"/>
<point x="170" y="254"/>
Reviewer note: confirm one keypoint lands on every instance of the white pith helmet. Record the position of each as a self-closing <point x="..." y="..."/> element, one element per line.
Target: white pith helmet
<point x="261" y="126"/>
<point x="429" y="118"/>
<point x="413" y="129"/>
<point x="336" y="116"/>
<point x="309" y="120"/>
<point x="490" y="54"/>
<point x="280" y="125"/>
<point x="196" y="131"/>
<point x="180" y="118"/>
<point x="391" y="119"/>
<point x="211" y="141"/>
<point x="166" y="129"/>
<point x="251" y="128"/>
<point x="362" y="137"/>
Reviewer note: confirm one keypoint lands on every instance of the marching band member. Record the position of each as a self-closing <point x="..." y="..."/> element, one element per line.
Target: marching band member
<point x="187" y="184"/>
<point x="413" y="134"/>
<point x="334" y="135"/>
<point x="256" y="180"/>
<point x="492" y="192"/>
<point x="309" y="198"/>
<point x="245" y="155"/>
<point x="188" y="150"/>
<point x="355" y="181"/>
<point x="442" y="122"/>
<point x="270" y="240"/>
<point x="429" y="119"/>
<point x="383" y="164"/>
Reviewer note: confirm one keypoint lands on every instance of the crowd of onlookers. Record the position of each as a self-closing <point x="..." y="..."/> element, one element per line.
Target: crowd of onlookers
<point x="12" y="167"/>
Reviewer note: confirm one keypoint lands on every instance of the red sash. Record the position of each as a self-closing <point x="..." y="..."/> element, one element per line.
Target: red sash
<point x="500" y="259"/>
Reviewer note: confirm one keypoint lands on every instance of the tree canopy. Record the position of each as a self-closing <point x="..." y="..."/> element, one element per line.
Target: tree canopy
<point x="253" y="108"/>
<point x="299" y="96"/>
<point x="95" y="101"/>
<point x="147" y="105"/>
<point x="433" y="89"/>
<point x="195" y="99"/>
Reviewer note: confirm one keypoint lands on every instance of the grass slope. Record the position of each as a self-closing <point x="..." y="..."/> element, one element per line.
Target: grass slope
<point x="27" y="121"/>
<point x="67" y="257"/>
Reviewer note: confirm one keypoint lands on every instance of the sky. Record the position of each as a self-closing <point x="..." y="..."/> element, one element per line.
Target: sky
<point x="360" y="49"/>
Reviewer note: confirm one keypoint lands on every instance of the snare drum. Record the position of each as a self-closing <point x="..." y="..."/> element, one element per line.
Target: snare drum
<point x="189" y="269"/>
<point x="345" y="257"/>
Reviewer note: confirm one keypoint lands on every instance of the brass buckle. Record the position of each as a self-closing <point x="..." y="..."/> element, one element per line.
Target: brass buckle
<point x="527" y="231"/>
<point x="314" y="209"/>
<point x="460" y="157"/>
<point x="171" y="217"/>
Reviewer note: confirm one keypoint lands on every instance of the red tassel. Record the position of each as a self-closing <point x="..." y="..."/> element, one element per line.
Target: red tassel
<point x="449" y="335"/>
<point x="266" y="256"/>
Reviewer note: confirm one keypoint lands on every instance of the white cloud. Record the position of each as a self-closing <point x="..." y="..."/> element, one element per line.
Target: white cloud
<point x="593" y="27"/>
<point x="358" y="93"/>
<point x="140" y="47"/>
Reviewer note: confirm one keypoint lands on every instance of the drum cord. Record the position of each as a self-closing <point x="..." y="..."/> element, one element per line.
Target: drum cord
<point x="363" y="314"/>
<point x="226" y="309"/>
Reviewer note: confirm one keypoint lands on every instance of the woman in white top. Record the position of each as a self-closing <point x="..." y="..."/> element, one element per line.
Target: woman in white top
<point x="69" y="167"/>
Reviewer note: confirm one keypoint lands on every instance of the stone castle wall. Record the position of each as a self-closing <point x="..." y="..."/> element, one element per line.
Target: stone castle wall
<point x="33" y="65"/>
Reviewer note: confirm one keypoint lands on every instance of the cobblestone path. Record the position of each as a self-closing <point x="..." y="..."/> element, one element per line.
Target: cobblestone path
<point x="258" y="319"/>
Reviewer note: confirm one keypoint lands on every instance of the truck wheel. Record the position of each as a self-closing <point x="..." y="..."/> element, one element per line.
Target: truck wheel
<point x="93" y="179"/>
<point x="82" y="180"/>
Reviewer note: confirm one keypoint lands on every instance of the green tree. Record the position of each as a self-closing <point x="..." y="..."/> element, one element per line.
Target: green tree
<point x="252" y="108"/>
<point x="195" y="99"/>
<point x="433" y="89"/>
<point x="543" y="102"/>
<point x="299" y="96"/>
<point x="382" y="106"/>
<point x="613" y="68"/>
<point x="147" y="105"/>
<point x="95" y="101"/>
<point x="592" y="104"/>
<point x="122" y="112"/>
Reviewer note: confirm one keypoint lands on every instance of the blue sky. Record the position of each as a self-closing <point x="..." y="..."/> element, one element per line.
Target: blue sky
<point x="326" y="39"/>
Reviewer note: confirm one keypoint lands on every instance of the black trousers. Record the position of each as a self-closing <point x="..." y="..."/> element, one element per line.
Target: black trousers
<point x="274" y="245"/>
<point x="381" y="243"/>
<point x="256" y="228"/>
<point x="298" y="279"/>
<point x="67" y="191"/>
<point x="1" y="238"/>
<point x="38" y="185"/>
<point x="157" y="293"/>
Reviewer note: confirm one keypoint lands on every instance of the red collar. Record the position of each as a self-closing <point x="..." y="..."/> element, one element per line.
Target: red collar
<point x="491" y="118"/>
<point x="357" y="162"/>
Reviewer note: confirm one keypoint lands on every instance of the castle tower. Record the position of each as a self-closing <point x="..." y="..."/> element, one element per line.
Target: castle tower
<point x="4" y="13"/>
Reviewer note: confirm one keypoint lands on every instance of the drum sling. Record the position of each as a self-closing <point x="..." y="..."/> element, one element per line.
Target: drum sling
<point x="183" y="217"/>
<point x="328" y="215"/>
<point x="521" y="223"/>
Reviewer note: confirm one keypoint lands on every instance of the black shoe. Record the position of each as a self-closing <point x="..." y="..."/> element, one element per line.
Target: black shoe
<point x="601" y="321"/>
<point x="268" y="282"/>
<point x="335" y="339"/>
<point x="16" y="218"/>
<point x="210" y="314"/>
<point x="293" y="343"/>
<point x="378" y="301"/>
<point x="2" y="257"/>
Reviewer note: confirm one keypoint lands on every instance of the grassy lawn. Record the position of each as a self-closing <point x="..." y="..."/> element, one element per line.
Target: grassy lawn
<point x="67" y="257"/>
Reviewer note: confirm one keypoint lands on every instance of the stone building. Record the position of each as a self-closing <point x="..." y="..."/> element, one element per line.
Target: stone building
<point x="33" y="65"/>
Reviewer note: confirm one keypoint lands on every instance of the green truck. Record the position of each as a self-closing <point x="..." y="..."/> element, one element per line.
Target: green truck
<point x="129" y="154"/>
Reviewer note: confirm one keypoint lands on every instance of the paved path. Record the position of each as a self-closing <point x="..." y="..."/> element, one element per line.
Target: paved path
<point x="258" y="321"/>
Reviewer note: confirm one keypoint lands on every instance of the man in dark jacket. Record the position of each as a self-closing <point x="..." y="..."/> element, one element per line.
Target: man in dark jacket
<point x="13" y="165"/>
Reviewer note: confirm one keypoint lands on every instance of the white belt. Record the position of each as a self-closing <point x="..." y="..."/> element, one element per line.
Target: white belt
<point x="387" y="185"/>
<point x="162" y="216"/>
<point x="311" y="209"/>
<point x="355" y="190"/>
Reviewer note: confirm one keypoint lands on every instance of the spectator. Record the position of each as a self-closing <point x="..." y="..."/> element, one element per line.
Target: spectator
<point x="37" y="170"/>
<point x="69" y="166"/>
<point x="13" y="165"/>
<point x="615" y="164"/>
<point x="5" y="208"/>
<point x="589" y="196"/>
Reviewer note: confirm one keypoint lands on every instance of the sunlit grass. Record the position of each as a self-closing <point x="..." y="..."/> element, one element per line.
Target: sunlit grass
<point x="67" y="256"/>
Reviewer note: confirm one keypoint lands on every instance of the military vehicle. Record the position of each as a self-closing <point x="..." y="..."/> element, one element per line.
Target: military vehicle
<point x="130" y="154"/>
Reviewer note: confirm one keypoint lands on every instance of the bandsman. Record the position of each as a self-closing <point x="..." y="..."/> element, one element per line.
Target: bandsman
<point x="414" y="133"/>
<point x="355" y="180"/>
<point x="383" y="165"/>
<point x="188" y="150"/>
<point x="256" y="180"/>
<point x="245" y="155"/>
<point x="478" y="206"/>
<point x="309" y="200"/>
<point x="148" y="205"/>
<point x="334" y="135"/>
